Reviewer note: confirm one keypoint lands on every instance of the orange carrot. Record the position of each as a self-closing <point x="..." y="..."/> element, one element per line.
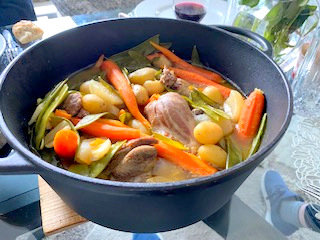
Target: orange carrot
<point x="65" y="143"/>
<point x="180" y="63"/>
<point x="186" y="160"/>
<point x="101" y="129"/>
<point x="154" y="97"/>
<point x="150" y="57"/>
<point x="62" y="113"/>
<point x="198" y="79"/>
<point x="99" y="62"/>
<point x="251" y="114"/>
<point x="112" y="122"/>
<point x="120" y="82"/>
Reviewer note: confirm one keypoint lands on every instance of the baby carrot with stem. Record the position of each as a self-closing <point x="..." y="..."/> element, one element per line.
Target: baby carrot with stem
<point x="121" y="83"/>
<point x="251" y="114"/>
<point x="198" y="79"/>
<point x="180" y="63"/>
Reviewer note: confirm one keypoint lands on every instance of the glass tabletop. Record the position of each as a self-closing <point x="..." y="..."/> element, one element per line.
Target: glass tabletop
<point x="241" y="218"/>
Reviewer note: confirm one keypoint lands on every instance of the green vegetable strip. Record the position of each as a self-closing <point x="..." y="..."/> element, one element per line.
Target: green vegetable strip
<point x="43" y="120"/>
<point x="97" y="167"/>
<point x="87" y="120"/>
<point x="107" y="85"/>
<point x="169" y="141"/>
<point x="81" y="169"/>
<point x="234" y="154"/>
<point x="257" y="140"/>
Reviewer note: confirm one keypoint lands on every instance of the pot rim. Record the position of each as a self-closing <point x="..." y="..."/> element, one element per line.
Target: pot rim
<point x="237" y="169"/>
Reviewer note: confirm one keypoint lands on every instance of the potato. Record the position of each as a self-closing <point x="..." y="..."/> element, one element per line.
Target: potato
<point x="141" y="94"/>
<point x="214" y="94"/>
<point x="208" y="132"/>
<point x="138" y="125"/>
<point x="233" y="105"/>
<point x="109" y="95"/>
<point x="213" y="154"/>
<point x="141" y="75"/>
<point x="153" y="86"/>
<point x="227" y="126"/>
<point x="94" y="104"/>
<point x="161" y="62"/>
<point x="85" y="87"/>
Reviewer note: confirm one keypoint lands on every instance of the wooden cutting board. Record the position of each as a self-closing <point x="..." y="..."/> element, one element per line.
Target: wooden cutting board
<point x="56" y="215"/>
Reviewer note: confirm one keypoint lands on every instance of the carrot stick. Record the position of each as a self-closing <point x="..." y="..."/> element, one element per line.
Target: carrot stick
<point x="198" y="79"/>
<point x="100" y="129"/>
<point x="251" y="114"/>
<point x="112" y="122"/>
<point x="186" y="160"/>
<point x="65" y="143"/>
<point x="180" y="63"/>
<point x="120" y="82"/>
<point x="99" y="62"/>
<point x="62" y="113"/>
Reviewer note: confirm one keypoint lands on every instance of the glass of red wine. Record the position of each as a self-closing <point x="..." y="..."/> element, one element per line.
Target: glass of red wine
<point x="193" y="10"/>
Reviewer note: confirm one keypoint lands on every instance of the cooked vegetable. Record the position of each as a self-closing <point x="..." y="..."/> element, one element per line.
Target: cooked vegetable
<point x="141" y="75"/>
<point x="112" y="122"/>
<point x="117" y="78"/>
<point x="184" y="65"/>
<point x="227" y="126"/>
<point x="124" y="116"/>
<point x="213" y="154"/>
<point x="54" y="98"/>
<point x="234" y="154"/>
<point x="138" y="125"/>
<point x="208" y="132"/>
<point x="94" y="104"/>
<point x="91" y="150"/>
<point x="36" y="113"/>
<point x="65" y="143"/>
<point x="48" y="139"/>
<point x="168" y="172"/>
<point x="196" y="78"/>
<point x="141" y="94"/>
<point x="159" y="60"/>
<point x="257" y="139"/>
<point x="87" y="120"/>
<point x="85" y="87"/>
<point x="186" y="160"/>
<point x="233" y="105"/>
<point x="214" y="94"/>
<point x="195" y="58"/>
<point x="100" y="129"/>
<point x="153" y="87"/>
<point x="169" y="141"/>
<point x="251" y="114"/>
<point x="62" y="113"/>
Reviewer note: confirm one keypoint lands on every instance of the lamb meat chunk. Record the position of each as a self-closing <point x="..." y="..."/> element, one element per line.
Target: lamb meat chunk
<point x="73" y="103"/>
<point x="169" y="80"/>
<point x="171" y="116"/>
<point x="136" y="162"/>
<point x="131" y="144"/>
<point x="82" y="113"/>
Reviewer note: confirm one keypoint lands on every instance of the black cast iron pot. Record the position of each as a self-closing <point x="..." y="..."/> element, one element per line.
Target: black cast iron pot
<point x="139" y="207"/>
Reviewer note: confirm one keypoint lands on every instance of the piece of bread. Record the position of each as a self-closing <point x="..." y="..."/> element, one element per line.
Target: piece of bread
<point x="26" y="31"/>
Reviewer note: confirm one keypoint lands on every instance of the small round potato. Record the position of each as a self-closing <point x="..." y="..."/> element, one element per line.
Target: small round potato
<point x="208" y="132"/>
<point x="213" y="154"/>
<point x="233" y="105"/>
<point x="141" y="75"/>
<point x="85" y="87"/>
<point x="93" y="104"/>
<point x="214" y="94"/>
<point x="140" y="93"/>
<point x="153" y="86"/>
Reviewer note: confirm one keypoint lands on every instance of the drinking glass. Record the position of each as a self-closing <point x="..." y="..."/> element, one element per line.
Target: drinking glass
<point x="192" y="10"/>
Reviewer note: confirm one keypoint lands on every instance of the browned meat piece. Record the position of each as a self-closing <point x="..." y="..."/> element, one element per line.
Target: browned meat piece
<point x="169" y="80"/>
<point x="131" y="144"/>
<point x="171" y="116"/>
<point x="138" y="161"/>
<point x="82" y="113"/>
<point x="73" y="103"/>
<point x="141" y="141"/>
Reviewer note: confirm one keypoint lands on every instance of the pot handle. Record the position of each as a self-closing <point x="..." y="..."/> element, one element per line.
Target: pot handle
<point x="264" y="44"/>
<point x="15" y="164"/>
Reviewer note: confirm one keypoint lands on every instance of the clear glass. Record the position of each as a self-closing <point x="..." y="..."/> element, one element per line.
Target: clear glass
<point x="306" y="84"/>
<point x="193" y="10"/>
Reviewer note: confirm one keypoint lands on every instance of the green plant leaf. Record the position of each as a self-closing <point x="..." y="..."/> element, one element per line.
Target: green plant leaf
<point x="234" y="154"/>
<point x="195" y="58"/>
<point x="257" y="140"/>
<point x="87" y="120"/>
<point x="250" y="3"/>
